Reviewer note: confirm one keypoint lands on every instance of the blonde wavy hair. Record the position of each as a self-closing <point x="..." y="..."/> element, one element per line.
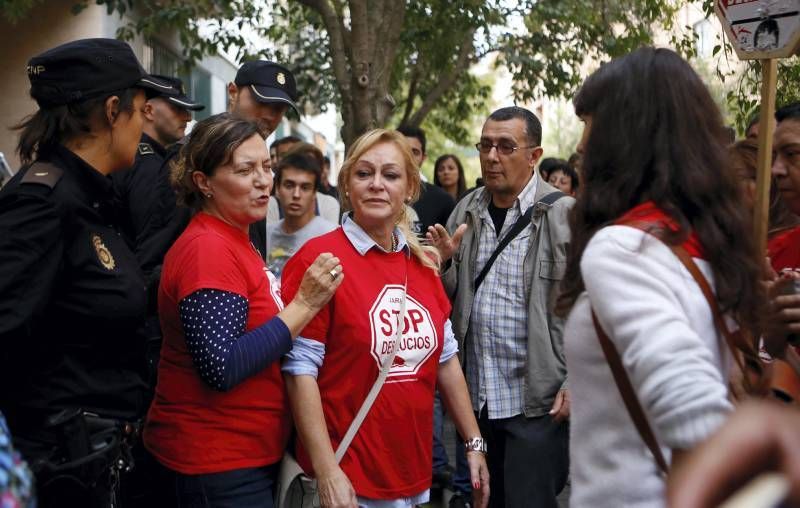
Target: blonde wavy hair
<point x="426" y="255"/>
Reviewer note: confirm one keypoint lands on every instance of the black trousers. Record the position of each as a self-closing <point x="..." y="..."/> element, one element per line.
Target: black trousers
<point x="528" y="460"/>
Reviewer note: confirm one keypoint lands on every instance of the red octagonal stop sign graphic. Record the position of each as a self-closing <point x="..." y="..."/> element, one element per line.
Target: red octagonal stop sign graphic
<point x="418" y="339"/>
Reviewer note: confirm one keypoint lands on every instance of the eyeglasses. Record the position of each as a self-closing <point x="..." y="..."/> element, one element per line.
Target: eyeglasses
<point x="503" y="147"/>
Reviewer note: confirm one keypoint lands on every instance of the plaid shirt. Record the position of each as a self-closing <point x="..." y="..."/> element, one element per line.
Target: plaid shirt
<point x="496" y="346"/>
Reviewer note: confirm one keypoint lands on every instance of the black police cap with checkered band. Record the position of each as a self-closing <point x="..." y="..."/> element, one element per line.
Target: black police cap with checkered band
<point x="85" y="69"/>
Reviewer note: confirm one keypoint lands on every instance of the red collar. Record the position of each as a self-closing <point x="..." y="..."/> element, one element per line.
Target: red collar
<point x="648" y="214"/>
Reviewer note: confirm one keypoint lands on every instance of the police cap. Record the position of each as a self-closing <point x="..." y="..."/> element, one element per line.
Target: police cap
<point x="85" y="69"/>
<point x="269" y="82"/>
<point x="176" y="93"/>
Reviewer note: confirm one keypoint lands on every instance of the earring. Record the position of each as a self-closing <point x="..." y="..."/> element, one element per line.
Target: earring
<point x="209" y="195"/>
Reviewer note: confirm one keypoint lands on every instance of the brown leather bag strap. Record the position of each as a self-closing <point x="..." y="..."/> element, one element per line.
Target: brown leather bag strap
<point x="629" y="397"/>
<point x="737" y="350"/>
<point x="705" y="287"/>
<point x="745" y="355"/>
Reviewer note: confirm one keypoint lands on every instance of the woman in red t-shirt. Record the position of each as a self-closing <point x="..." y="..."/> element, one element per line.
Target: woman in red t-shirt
<point x="337" y="359"/>
<point x="218" y="422"/>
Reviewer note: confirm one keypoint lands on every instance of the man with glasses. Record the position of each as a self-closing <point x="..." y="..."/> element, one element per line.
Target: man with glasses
<point x="511" y="343"/>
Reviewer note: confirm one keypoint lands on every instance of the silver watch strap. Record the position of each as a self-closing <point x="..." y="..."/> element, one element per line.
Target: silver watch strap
<point x="386" y="366"/>
<point x="476" y="444"/>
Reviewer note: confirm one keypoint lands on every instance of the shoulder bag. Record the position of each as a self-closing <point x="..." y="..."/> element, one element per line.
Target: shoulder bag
<point x="295" y="489"/>
<point x="735" y="340"/>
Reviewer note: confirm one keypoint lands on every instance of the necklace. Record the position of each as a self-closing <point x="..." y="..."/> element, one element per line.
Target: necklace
<point x="394" y="242"/>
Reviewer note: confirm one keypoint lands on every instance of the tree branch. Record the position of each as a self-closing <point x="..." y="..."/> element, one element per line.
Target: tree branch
<point x="391" y="29"/>
<point x="339" y="8"/>
<point x="446" y="82"/>
<point x="338" y="45"/>
<point x="412" y="92"/>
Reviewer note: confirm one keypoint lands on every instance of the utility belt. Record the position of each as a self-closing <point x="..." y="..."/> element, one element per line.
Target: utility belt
<point x="87" y="454"/>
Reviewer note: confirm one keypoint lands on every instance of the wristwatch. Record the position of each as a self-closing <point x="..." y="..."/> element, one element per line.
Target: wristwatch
<point x="475" y="444"/>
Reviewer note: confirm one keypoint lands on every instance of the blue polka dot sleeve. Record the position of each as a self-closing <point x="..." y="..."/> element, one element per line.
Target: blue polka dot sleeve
<point x="224" y="355"/>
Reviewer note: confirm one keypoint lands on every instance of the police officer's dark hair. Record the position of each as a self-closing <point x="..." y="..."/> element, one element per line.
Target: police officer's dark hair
<point x="414" y="132"/>
<point x="788" y="112"/>
<point x="47" y="128"/>
<point x="301" y="161"/>
<point x="533" y="128"/>
<point x="211" y="145"/>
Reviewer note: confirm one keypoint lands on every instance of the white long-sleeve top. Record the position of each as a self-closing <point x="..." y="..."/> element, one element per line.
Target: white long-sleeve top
<point x="655" y="314"/>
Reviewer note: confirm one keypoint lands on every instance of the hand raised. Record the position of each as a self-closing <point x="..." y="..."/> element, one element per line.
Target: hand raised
<point x="447" y="245"/>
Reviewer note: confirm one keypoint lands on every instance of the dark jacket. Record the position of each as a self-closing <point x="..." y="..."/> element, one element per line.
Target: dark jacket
<point x="71" y="297"/>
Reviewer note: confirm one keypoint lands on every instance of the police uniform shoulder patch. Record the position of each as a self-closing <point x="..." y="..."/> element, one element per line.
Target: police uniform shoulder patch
<point x="146" y="149"/>
<point x="43" y="173"/>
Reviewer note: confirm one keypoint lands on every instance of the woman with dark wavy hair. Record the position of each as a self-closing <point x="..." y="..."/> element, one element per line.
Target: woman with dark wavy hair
<point x="656" y="177"/>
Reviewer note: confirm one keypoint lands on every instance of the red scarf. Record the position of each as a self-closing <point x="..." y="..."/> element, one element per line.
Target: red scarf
<point x="648" y="214"/>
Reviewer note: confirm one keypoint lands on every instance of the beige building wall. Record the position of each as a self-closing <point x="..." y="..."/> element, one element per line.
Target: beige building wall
<point x="52" y="23"/>
<point x="49" y="24"/>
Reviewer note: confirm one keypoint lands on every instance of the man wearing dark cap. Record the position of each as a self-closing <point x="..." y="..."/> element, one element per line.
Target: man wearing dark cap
<point x="138" y="198"/>
<point x="262" y="91"/>
<point x="166" y="114"/>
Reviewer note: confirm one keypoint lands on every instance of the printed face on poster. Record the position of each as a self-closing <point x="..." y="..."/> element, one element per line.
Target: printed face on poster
<point x="760" y="29"/>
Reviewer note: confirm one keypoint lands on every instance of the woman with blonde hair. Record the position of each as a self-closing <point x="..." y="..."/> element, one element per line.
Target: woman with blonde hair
<point x="392" y="309"/>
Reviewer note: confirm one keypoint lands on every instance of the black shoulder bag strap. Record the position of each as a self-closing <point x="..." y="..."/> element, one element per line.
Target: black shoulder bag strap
<point x="515" y="230"/>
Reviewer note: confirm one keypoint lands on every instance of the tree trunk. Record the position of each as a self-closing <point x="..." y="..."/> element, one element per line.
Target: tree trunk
<point x="363" y="57"/>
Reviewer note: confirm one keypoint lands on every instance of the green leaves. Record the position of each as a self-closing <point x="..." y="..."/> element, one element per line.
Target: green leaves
<point x="549" y="46"/>
<point x="566" y="36"/>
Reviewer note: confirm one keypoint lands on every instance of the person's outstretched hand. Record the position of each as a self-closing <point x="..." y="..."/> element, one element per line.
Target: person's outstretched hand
<point x="447" y="245"/>
<point x="759" y="437"/>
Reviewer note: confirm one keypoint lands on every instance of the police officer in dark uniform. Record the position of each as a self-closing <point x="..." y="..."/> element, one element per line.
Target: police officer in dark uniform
<point x="136" y="189"/>
<point x="140" y="199"/>
<point x="71" y="291"/>
<point x="262" y="92"/>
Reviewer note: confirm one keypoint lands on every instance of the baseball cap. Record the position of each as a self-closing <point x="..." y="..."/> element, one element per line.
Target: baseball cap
<point x="269" y="82"/>
<point x="85" y="69"/>
<point x="177" y="94"/>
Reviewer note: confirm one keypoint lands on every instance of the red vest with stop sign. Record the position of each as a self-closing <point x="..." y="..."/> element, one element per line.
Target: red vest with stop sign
<point x="390" y="457"/>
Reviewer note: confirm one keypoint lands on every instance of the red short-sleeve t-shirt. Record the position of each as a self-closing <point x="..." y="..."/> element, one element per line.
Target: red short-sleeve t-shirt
<point x="192" y="428"/>
<point x="390" y="456"/>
